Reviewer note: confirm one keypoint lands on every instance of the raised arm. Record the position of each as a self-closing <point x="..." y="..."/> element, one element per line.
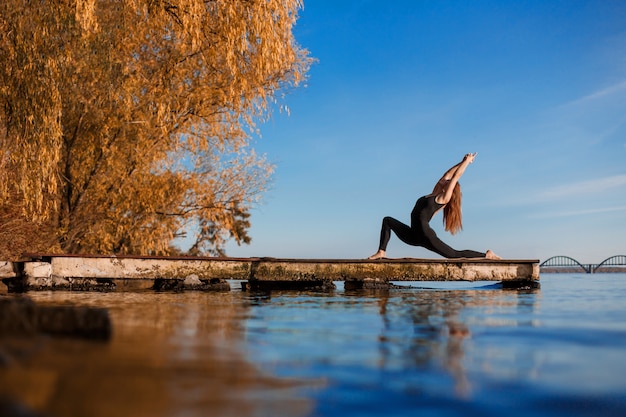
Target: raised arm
<point x="449" y="173"/>
<point x="447" y="176"/>
<point x="445" y="186"/>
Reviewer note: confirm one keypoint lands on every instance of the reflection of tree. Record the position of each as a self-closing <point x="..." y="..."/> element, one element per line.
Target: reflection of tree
<point x="171" y="354"/>
<point x="426" y="329"/>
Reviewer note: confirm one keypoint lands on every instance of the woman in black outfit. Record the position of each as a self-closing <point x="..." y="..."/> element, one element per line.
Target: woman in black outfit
<point x="446" y="195"/>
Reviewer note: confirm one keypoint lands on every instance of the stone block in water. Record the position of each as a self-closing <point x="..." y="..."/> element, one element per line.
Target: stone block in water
<point x="20" y="316"/>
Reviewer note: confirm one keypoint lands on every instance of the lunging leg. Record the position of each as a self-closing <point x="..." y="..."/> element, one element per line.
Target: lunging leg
<point x="436" y="245"/>
<point x="404" y="233"/>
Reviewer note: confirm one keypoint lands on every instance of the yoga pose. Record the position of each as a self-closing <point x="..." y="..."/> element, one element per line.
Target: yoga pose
<point x="446" y="195"/>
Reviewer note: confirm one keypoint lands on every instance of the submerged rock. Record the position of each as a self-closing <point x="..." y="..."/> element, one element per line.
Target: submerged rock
<point x="20" y="316"/>
<point x="10" y="408"/>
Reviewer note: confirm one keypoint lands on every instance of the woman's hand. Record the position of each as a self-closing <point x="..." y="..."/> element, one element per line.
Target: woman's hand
<point x="470" y="157"/>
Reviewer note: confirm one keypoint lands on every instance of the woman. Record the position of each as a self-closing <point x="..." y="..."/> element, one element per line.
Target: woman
<point x="446" y="195"/>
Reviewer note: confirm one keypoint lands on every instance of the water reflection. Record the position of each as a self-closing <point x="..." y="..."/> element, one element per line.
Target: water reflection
<point x="171" y="354"/>
<point x="404" y="340"/>
<point x="480" y="351"/>
<point x="428" y="330"/>
<point x="279" y="353"/>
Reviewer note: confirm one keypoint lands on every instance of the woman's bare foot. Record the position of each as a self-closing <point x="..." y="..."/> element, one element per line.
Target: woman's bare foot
<point x="378" y="255"/>
<point x="491" y="255"/>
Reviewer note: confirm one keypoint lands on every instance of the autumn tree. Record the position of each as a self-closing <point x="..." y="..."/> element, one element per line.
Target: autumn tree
<point x="126" y="124"/>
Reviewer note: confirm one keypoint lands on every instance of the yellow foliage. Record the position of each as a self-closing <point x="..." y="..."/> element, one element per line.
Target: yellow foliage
<point x="124" y="123"/>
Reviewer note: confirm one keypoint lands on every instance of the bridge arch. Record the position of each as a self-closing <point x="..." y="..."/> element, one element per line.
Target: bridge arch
<point x="561" y="260"/>
<point x="617" y="260"/>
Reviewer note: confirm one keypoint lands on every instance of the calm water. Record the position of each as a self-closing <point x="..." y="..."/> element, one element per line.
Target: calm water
<point x="449" y="349"/>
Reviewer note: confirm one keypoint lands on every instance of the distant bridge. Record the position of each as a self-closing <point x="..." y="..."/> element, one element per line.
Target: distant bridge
<point x="561" y="261"/>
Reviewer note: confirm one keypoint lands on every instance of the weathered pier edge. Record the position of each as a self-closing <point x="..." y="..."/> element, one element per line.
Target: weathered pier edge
<point x="128" y="273"/>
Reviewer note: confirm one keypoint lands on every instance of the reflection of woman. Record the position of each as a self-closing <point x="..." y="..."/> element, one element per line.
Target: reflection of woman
<point x="446" y="195"/>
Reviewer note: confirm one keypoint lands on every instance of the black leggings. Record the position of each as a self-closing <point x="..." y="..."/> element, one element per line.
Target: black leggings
<point x="425" y="237"/>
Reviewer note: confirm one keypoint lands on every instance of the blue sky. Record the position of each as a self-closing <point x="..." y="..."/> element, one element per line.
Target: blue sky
<point x="403" y="89"/>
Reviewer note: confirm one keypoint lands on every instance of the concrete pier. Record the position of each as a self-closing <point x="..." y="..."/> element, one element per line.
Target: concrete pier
<point x="110" y="273"/>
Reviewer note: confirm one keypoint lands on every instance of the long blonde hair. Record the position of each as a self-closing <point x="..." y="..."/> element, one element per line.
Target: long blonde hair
<point x="452" y="217"/>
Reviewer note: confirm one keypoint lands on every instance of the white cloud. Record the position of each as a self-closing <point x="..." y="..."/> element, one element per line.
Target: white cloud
<point x="585" y="187"/>
<point x="600" y="94"/>
<point x="579" y="212"/>
<point x="591" y="119"/>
